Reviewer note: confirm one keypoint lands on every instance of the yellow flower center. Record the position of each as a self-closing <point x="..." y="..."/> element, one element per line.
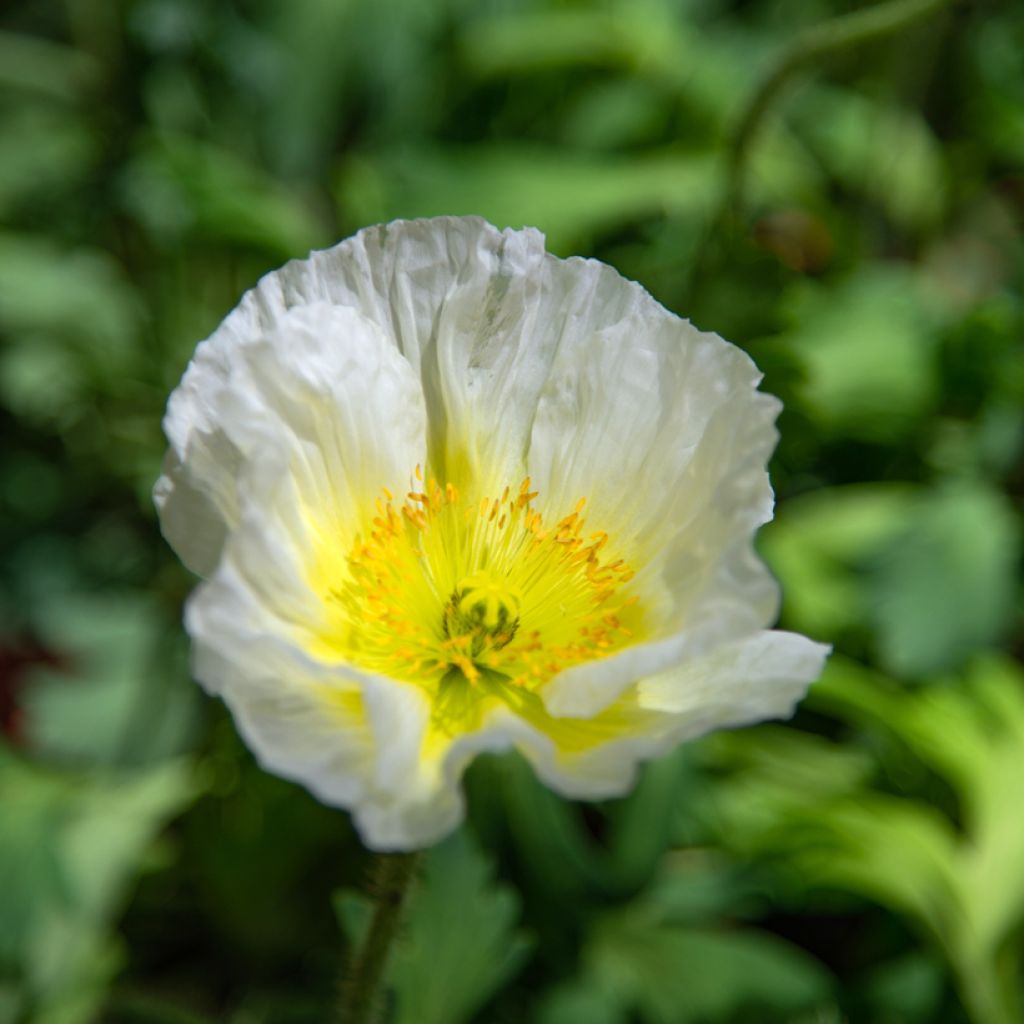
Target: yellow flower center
<point x="439" y="587"/>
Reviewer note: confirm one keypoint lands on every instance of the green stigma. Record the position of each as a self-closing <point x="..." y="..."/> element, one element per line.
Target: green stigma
<point x="485" y="609"/>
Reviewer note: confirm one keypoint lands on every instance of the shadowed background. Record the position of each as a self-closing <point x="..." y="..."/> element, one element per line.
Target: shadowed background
<point x="862" y="863"/>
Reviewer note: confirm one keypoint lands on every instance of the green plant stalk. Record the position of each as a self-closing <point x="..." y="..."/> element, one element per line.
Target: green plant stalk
<point x="988" y="994"/>
<point x="391" y="876"/>
<point x="812" y="45"/>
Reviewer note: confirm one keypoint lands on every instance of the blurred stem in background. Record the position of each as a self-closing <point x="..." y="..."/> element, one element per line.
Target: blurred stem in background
<point x="813" y="45"/>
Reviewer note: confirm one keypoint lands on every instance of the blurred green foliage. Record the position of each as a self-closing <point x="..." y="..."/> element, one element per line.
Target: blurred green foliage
<point x="863" y="863"/>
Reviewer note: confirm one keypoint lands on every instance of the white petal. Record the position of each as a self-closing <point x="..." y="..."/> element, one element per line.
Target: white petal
<point x="430" y="803"/>
<point x="756" y="678"/>
<point x="301" y="721"/>
<point x="351" y="738"/>
<point x="663" y="430"/>
<point x="460" y="300"/>
<point x="196" y="503"/>
<point x="480" y="314"/>
<point x="318" y="393"/>
<point x="659" y="425"/>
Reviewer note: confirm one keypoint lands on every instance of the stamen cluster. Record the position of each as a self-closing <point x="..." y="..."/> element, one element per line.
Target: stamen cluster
<point x="441" y="583"/>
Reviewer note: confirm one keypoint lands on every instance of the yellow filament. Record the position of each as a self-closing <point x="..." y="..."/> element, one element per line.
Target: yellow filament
<point x="446" y="586"/>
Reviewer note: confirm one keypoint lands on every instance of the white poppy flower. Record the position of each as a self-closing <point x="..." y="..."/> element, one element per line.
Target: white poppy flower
<point x="451" y="494"/>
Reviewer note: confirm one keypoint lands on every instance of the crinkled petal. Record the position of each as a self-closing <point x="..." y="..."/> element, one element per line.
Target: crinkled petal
<point x="460" y="300"/>
<point x="662" y="429"/>
<point x="755" y="678"/>
<point x="318" y="393"/>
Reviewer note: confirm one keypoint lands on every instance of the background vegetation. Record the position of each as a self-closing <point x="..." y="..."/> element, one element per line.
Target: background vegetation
<point x="862" y="863"/>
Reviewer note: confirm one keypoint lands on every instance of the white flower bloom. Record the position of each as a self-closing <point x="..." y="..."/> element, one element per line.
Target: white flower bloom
<point x="452" y="494"/>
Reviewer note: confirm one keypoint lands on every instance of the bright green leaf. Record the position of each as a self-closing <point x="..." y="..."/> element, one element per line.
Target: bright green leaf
<point x="180" y="185"/>
<point x="868" y="346"/>
<point x="460" y="943"/>
<point x="71" y="845"/>
<point x="944" y="587"/>
<point x="113" y="701"/>
<point x="565" y="194"/>
<point x="820" y="545"/>
<point x="887" y="153"/>
<point x="638" y="36"/>
<point x="674" y="975"/>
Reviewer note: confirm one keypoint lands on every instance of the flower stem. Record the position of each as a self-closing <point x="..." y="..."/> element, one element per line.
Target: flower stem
<point x="815" y="45"/>
<point x="389" y="884"/>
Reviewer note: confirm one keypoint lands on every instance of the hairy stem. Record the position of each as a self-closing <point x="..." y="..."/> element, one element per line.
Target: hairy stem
<point x="389" y="884"/>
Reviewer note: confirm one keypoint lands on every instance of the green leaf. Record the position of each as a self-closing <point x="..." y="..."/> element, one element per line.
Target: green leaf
<point x="69" y="847"/>
<point x="820" y="545"/>
<point x="887" y="153"/>
<point x="114" y="702"/>
<point x="42" y="152"/>
<point x="615" y="114"/>
<point x="630" y="36"/>
<point x="640" y="826"/>
<point x="565" y="194"/>
<point x="802" y="761"/>
<point x="10" y="1004"/>
<point x="71" y="315"/>
<point x="582" y="1001"/>
<point x="460" y="943"/>
<point x="898" y="852"/>
<point x="960" y="881"/>
<point x="945" y="586"/>
<point x="868" y="347"/>
<point x="674" y="975"/>
<point x="313" y="39"/>
<point x="560" y="856"/>
<point x="49" y="289"/>
<point x="699" y="886"/>
<point x="996" y="104"/>
<point x="905" y="990"/>
<point x="971" y="731"/>
<point x="353" y="911"/>
<point x="180" y="186"/>
<point x="49" y="69"/>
